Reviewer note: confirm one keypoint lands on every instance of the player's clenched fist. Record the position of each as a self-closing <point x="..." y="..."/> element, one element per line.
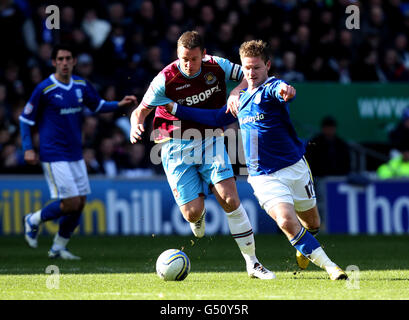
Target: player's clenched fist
<point x="128" y="101"/>
<point x="287" y="92"/>
<point x="30" y="156"/>
<point x="136" y="132"/>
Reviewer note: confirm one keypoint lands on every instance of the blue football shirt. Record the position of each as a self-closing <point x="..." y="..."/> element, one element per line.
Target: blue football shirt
<point x="57" y="111"/>
<point x="269" y="139"/>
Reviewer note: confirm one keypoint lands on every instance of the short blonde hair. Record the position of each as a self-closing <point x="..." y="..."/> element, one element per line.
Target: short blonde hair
<point x="254" y="48"/>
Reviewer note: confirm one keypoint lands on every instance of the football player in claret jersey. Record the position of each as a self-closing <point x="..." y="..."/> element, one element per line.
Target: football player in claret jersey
<point x="278" y="171"/>
<point x="56" y="108"/>
<point x="198" y="80"/>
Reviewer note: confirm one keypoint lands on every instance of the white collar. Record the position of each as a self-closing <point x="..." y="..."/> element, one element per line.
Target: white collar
<point x="256" y="88"/>
<point x="185" y="75"/>
<point x="60" y="84"/>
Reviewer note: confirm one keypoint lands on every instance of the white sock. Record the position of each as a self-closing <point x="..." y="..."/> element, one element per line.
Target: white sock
<point x="242" y="232"/>
<point x="320" y="258"/>
<point x="35" y="218"/>
<point x="59" y="243"/>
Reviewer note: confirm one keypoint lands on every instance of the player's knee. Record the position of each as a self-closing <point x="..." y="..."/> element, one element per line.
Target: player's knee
<point x="193" y="210"/>
<point x="287" y="224"/>
<point x="73" y="205"/>
<point x="192" y="213"/>
<point x="230" y="203"/>
<point x="192" y="216"/>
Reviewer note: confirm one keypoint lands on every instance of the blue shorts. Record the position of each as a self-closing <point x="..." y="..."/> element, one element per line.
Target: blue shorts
<point x="189" y="164"/>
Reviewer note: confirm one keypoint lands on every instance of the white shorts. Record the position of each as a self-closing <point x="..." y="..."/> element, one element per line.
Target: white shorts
<point x="292" y="184"/>
<point x="66" y="179"/>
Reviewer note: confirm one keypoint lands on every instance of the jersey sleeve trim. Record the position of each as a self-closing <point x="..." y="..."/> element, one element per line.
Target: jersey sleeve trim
<point x="236" y="74"/>
<point x="232" y="70"/>
<point x="29" y="122"/>
<point x="80" y="82"/>
<point x="101" y="102"/>
<point x="144" y="104"/>
<point x="49" y="88"/>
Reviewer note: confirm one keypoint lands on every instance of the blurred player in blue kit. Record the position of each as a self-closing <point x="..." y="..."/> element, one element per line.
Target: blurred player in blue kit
<point x="56" y="108"/>
<point x="278" y="171"/>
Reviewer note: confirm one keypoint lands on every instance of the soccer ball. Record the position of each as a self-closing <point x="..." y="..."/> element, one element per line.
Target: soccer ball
<point x="173" y="265"/>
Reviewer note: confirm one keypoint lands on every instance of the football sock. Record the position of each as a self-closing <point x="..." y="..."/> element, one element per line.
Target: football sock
<point x="35" y="218"/>
<point x="314" y="232"/>
<point x="50" y="212"/>
<point x="320" y="259"/>
<point x="242" y="232"/>
<point x="305" y="242"/>
<point x="59" y="242"/>
<point x="311" y="248"/>
<point x="68" y="223"/>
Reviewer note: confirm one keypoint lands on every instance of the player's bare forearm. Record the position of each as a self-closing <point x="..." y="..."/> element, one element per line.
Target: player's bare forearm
<point x="137" y="120"/>
<point x="233" y="100"/>
<point x="139" y="114"/>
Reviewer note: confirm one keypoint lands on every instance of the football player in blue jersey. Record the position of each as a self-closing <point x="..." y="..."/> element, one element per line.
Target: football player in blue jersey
<point x="56" y="108"/>
<point x="278" y="171"/>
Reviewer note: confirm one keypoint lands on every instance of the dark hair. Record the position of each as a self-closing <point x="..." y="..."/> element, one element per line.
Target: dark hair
<point x="191" y="40"/>
<point x="62" y="46"/>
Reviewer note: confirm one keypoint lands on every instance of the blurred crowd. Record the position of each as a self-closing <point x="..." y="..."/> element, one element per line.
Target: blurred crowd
<point x="122" y="45"/>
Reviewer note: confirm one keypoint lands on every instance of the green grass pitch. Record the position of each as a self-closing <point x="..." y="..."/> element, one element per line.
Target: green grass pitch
<point x="124" y="268"/>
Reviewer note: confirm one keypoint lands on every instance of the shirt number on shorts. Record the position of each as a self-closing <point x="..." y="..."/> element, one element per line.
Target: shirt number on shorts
<point x="309" y="188"/>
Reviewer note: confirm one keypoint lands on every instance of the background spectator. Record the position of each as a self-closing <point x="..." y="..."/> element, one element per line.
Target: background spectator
<point x="397" y="167"/>
<point x="328" y="154"/>
<point x="399" y="136"/>
<point x="123" y="44"/>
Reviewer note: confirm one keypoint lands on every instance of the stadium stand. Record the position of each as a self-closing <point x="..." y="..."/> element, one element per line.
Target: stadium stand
<point x="122" y="45"/>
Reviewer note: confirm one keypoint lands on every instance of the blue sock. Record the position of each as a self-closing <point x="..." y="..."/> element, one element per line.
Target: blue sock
<point x="314" y="232"/>
<point x="305" y="242"/>
<point x="68" y="224"/>
<point x="51" y="211"/>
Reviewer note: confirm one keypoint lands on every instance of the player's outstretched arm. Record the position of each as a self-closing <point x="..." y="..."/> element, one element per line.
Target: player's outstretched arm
<point x="128" y="101"/>
<point x="211" y="117"/>
<point x="137" y="120"/>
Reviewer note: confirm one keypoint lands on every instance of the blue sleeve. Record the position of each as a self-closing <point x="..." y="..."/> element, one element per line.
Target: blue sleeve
<point x="25" y="132"/>
<point x="95" y="103"/>
<point x="274" y="90"/>
<point x="107" y="106"/>
<point x="27" y="118"/>
<point x="91" y="97"/>
<point x="29" y="114"/>
<point x="211" y="117"/>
